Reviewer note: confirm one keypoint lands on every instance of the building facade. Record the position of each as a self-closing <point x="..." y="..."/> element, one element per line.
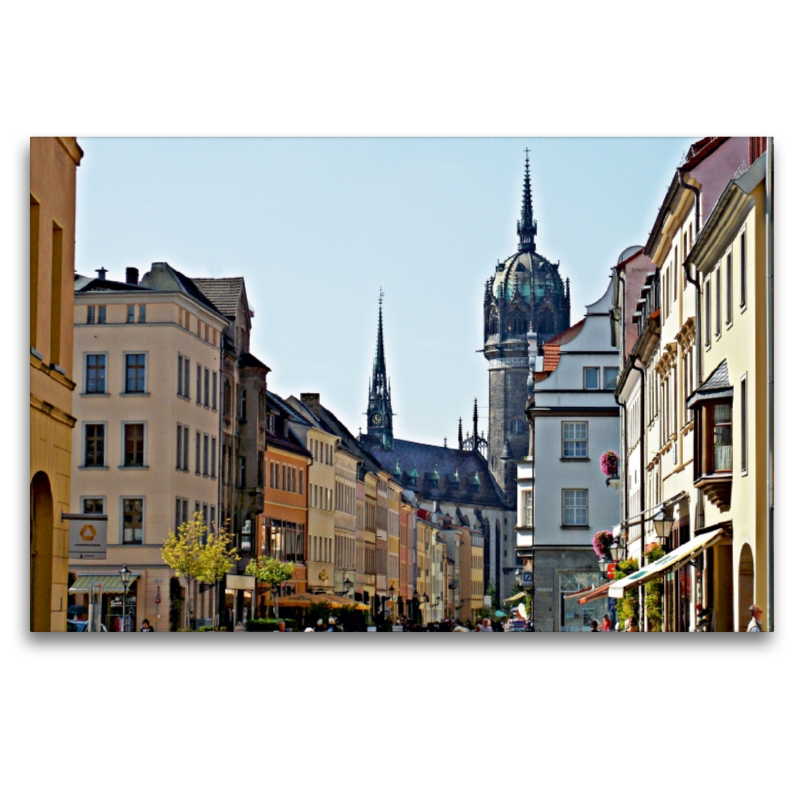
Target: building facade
<point x="54" y="163"/>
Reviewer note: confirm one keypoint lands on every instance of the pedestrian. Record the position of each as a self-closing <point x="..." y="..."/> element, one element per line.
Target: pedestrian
<point x="593" y="626"/>
<point x="309" y="630"/>
<point x="239" y="628"/>
<point x="320" y="626"/>
<point x="754" y="626"/>
<point x="487" y="626"/>
<point x="605" y="625"/>
<point x="146" y="627"/>
<point x="331" y="625"/>
<point x="630" y="625"/>
<point x="281" y="627"/>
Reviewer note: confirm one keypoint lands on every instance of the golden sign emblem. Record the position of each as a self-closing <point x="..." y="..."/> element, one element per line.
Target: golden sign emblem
<point x="88" y="533"/>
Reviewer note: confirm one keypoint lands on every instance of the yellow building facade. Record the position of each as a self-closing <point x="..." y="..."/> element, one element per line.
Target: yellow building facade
<point x="54" y="162"/>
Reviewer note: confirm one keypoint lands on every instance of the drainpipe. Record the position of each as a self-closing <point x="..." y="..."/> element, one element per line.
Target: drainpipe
<point x="770" y="255"/>
<point x="640" y="370"/>
<point x="624" y="407"/>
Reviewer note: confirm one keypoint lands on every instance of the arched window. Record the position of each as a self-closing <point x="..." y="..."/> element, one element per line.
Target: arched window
<point x="517" y="322"/>
<point x="545" y="323"/>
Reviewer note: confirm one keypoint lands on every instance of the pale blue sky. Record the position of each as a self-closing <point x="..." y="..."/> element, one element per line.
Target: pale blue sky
<point x="316" y="226"/>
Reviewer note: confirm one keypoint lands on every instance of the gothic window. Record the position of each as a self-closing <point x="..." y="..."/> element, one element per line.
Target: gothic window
<point x="493" y="323"/>
<point x="516" y="322"/>
<point x="545" y="323"/>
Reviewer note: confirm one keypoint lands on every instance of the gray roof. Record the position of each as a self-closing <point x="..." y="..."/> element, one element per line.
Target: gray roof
<point x="464" y="475"/>
<point x="717" y="387"/>
<point x="224" y="293"/>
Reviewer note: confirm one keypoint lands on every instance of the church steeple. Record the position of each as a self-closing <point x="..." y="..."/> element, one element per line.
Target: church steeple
<point x="526" y="227"/>
<point x="379" y="405"/>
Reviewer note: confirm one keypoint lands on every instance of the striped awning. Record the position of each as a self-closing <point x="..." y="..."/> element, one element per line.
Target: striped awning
<point x="109" y="583"/>
<point x="584" y="596"/>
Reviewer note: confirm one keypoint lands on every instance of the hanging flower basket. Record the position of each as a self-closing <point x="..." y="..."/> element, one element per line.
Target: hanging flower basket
<point x="609" y="463"/>
<point x="601" y="542"/>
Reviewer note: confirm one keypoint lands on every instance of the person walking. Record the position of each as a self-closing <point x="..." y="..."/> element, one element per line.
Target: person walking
<point x="605" y="625"/>
<point x="146" y="627"/>
<point x="281" y="627"/>
<point x="593" y="626"/>
<point x="754" y="626"/>
<point x="487" y="626"/>
<point x="630" y="625"/>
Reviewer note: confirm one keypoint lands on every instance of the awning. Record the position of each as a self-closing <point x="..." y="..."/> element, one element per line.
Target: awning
<point x="111" y="583"/>
<point x="515" y="598"/>
<point x="587" y="595"/>
<point x="307" y="600"/>
<point x="666" y="563"/>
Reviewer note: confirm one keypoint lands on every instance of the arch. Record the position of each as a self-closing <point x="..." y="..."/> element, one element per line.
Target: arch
<point x="746" y="586"/>
<point x="493" y="324"/>
<point x="41" y="542"/>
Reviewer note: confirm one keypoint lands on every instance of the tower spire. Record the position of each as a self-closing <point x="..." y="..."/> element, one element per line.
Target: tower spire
<point x="379" y="405"/>
<point x="460" y="435"/>
<point x="526" y="227"/>
<point x="475" y="425"/>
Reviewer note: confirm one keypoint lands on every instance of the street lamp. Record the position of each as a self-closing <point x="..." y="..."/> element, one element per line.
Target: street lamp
<point x="662" y="520"/>
<point x="125" y="576"/>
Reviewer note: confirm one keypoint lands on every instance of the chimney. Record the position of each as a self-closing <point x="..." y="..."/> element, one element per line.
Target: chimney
<point x="101" y="273"/>
<point x="132" y="275"/>
<point x="311" y="399"/>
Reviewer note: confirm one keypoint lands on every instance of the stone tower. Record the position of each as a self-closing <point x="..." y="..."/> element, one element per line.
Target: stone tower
<point x="526" y="293"/>
<point x="379" y="404"/>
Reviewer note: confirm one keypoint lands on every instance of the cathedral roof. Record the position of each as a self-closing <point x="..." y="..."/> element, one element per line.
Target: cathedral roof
<point x="463" y="475"/>
<point x="514" y="276"/>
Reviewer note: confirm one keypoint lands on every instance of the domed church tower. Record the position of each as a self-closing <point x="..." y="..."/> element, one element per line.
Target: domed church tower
<point x="525" y="293"/>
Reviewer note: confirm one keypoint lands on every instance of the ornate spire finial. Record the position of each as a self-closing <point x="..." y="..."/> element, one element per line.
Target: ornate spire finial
<point x="526" y="227"/>
<point x="475" y="424"/>
<point x="460" y="435"/>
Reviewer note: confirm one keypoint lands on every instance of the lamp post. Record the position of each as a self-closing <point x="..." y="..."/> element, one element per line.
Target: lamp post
<point x="662" y="520"/>
<point x="125" y="576"/>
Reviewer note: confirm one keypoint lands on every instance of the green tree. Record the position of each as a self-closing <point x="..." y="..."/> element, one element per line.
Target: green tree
<point x="196" y="554"/>
<point x="654" y="596"/>
<point x="627" y="606"/>
<point x="271" y="572"/>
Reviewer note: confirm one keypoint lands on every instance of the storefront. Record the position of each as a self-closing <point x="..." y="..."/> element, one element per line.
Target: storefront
<point x="577" y="616"/>
<point x="106" y="599"/>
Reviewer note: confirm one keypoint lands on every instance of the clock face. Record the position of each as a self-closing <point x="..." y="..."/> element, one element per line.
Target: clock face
<point x="376" y="419"/>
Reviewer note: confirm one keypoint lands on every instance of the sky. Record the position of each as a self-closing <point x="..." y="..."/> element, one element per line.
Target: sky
<point x="319" y="226"/>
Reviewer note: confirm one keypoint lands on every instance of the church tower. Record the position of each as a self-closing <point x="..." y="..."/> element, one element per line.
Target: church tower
<point x="379" y="405"/>
<point x="525" y="293"/>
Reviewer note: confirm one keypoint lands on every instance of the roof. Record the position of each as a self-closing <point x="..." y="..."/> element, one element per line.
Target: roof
<point x="224" y="293"/>
<point x="464" y="475"/>
<point x="716" y="387"/>
<point x="290" y="441"/>
<point x="552" y="348"/>
<point x="249" y="360"/>
<point x="349" y="442"/>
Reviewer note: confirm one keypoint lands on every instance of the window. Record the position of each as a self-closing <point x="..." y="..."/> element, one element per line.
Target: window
<point x="527" y="509"/>
<point x="213" y="457"/>
<point x="591" y="377"/>
<point x="517" y="426"/>
<point x="186" y="378"/>
<point x="199" y="385"/>
<point x="301" y="482"/>
<point x="197" y="453"/>
<point x="180" y="375"/>
<point x="132" y="520"/>
<point x="743" y="270"/>
<point x="213" y="520"/>
<point x="743" y="423"/>
<point x="226" y="399"/>
<point x="142" y="313"/>
<point x="723" y="437"/>
<point x="131" y="314"/>
<point x="179" y="449"/>
<point x="133" y="433"/>
<point x="610" y="375"/>
<point x="90" y="315"/>
<point x="574" y="507"/>
<point x="205" y="455"/>
<point x="729" y="289"/>
<point x="95" y="373"/>
<point x="214" y="391"/>
<point x="134" y="373"/>
<point x="94" y="448"/>
<point x="719" y="301"/>
<point x="574" y="439"/>
<point x="206" y="380"/>
<point x="708" y="312"/>
<point x="101" y="315"/>
<point x="93" y="505"/>
<point x="243" y="404"/>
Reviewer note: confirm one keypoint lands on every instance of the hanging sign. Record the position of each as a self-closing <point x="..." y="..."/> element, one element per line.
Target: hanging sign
<point x="87" y="536"/>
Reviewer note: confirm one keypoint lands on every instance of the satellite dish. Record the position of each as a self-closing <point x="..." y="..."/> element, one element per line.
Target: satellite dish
<point x="628" y="252"/>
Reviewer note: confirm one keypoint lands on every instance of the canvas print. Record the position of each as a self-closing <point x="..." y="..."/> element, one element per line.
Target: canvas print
<point x="401" y="385"/>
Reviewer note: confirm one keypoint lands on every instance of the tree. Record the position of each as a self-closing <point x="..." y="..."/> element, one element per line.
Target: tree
<point x="273" y="573"/>
<point x="197" y="554"/>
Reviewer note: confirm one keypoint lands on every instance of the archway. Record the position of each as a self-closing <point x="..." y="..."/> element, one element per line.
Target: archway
<point x="41" y="540"/>
<point x="746" y="595"/>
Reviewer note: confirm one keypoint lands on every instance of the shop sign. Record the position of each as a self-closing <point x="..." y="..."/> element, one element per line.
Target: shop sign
<point x="87" y="536"/>
<point x="245" y="582"/>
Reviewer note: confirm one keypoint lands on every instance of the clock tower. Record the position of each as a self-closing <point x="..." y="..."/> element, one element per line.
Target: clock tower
<point x="379" y="405"/>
